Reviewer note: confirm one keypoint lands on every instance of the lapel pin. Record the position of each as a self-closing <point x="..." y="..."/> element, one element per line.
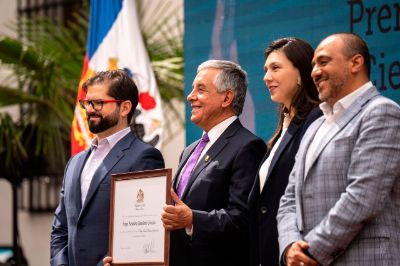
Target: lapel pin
<point x="206" y="159"/>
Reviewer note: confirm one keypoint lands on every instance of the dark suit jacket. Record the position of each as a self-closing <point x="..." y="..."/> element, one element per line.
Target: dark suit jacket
<point x="80" y="233"/>
<point x="263" y="208"/>
<point x="217" y="193"/>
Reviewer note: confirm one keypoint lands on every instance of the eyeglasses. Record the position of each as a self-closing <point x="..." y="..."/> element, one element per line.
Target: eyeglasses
<point x="96" y="104"/>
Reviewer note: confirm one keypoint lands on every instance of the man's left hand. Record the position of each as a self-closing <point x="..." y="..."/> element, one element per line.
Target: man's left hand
<point x="176" y="216"/>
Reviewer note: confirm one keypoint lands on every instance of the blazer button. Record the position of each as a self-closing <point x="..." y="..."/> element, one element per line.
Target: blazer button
<point x="263" y="210"/>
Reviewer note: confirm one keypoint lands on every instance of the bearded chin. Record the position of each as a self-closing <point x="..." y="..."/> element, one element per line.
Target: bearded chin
<point x="96" y="127"/>
<point x="103" y="124"/>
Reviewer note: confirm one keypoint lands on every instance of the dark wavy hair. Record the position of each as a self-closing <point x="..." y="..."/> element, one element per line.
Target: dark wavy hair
<point x="120" y="87"/>
<point x="300" y="53"/>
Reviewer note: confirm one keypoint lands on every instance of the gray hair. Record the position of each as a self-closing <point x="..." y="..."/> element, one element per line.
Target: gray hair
<point x="233" y="77"/>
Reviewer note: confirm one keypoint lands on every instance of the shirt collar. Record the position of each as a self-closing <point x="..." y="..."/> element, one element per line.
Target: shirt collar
<point x="350" y="98"/>
<point x="217" y="130"/>
<point x="110" y="140"/>
<point x="344" y="103"/>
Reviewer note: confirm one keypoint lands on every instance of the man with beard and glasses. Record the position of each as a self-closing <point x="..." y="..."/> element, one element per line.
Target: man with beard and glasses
<point x="341" y="206"/>
<point x="80" y="229"/>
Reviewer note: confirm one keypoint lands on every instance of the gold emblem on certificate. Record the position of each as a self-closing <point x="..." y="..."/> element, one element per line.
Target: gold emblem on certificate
<point x="137" y="236"/>
<point x="140" y="196"/>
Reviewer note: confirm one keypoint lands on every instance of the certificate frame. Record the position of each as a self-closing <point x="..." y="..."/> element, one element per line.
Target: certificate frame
<point x="124" y="222"/>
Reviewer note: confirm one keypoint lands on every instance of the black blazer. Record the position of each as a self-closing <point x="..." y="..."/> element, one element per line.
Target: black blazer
<point x="263" y="208"/>
<point x="217" y="193"/>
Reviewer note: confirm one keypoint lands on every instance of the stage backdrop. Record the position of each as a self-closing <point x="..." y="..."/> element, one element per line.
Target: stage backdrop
<point x="239" y="30"/>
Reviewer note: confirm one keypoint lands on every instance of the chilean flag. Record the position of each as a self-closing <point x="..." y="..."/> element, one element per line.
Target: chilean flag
<point x="115" y="42"/>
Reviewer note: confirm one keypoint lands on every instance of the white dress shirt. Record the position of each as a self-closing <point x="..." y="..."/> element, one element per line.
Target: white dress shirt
<point x="331" y="115"/>
<point x="213" y="135"/>
<point x="97" y="155"/>
<point x="216" y="132"/>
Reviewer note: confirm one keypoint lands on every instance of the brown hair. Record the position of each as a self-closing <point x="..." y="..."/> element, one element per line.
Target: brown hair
<point x="300" y="53"/>
<point x="120" y="87"/>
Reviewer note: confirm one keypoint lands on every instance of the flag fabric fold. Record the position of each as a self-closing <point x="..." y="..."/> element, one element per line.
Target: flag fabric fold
<point x="115" y="42"/>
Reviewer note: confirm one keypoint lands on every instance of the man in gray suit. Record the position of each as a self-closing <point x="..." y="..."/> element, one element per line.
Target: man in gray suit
<point x="80" y="229"/>
<point x="342" y="203"/>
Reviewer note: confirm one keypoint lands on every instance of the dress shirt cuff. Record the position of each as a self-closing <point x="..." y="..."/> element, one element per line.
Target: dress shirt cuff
<point x="189" y="231"/>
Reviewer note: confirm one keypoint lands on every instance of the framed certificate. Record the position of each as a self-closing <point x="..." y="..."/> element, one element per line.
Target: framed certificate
<point x="136" y="235"/>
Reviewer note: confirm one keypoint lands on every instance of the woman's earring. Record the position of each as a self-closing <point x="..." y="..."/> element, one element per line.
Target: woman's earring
<point x="299" y="81"/>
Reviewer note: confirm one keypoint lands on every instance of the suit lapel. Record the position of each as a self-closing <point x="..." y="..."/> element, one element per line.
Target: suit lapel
<point x="116" y="154"/>
<point x="185" y="156"/>
<point x="76" y="184"/>
<point x="299" y="165"/>
<point x="212" y="153"/>
<point x="291" y="131"/>
<point x="347" y="115"/>
<point x="255" y="189"/>
<point x="306" y="141"/>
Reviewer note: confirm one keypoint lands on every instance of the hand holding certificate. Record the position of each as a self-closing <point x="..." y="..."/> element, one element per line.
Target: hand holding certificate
<point x="137" y="235"/>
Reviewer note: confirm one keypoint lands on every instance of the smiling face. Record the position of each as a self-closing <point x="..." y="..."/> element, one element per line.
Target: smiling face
<point x="331" y="70"/>
<point x="281" y="78"/>
<point x="209" y="107"/>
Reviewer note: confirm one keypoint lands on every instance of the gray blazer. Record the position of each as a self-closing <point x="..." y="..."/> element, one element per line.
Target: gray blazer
<point x="348" y="206"/>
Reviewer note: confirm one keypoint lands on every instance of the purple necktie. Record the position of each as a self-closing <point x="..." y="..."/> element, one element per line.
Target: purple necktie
<point x="191" y="163"/>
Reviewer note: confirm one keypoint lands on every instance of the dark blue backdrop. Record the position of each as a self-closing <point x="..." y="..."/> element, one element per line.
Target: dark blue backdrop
<point x="239" y="30"/>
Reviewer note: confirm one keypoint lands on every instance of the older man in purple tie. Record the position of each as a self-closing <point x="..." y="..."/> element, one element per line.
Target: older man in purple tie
<point x="209" y="216"/>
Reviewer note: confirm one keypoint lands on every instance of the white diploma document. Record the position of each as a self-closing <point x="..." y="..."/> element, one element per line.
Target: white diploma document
<point x="137" y="235"/>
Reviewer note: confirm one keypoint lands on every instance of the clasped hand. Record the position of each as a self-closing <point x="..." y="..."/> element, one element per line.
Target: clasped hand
<point x="295" y="255"/>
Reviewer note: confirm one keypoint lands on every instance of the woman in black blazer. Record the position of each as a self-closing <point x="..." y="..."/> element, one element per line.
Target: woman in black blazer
<point x="288" y="78"/>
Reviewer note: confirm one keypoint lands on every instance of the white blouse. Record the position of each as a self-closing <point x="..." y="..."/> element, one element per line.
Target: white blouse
<point x="267" y="163"/>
